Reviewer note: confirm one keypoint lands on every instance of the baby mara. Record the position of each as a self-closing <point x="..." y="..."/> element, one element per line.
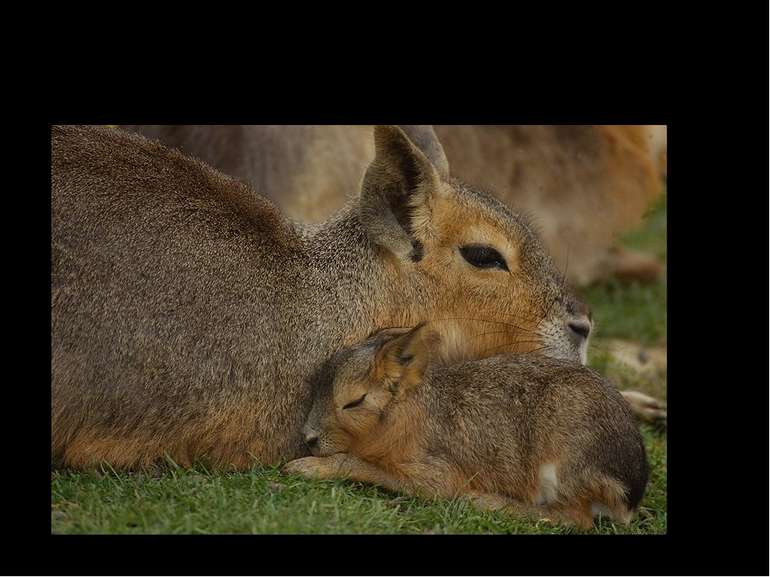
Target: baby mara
<point x="533" y="435"/>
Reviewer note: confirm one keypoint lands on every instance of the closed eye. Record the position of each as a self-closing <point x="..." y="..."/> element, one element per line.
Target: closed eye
<point x="355" y="403"/>
<point x="482" y="256"/>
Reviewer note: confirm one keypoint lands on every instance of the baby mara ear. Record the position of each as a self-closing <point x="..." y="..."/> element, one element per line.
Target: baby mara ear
<point x="379" y="336"/>
<point x="400" y="361"/>
<point x="398" y="188"/>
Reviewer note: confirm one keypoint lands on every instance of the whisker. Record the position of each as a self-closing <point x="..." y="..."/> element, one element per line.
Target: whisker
<point x="522" y="317"/>
<point x="562" y="286"/>
<point x="491" y="333"/>
<point x="484" y="321"/>
<point x="537" y="350"/>
<point x="508" y="344"/>
<point x="566" y="266"/>
<point x="502" y="333"/>
<point x="554" y="300"/>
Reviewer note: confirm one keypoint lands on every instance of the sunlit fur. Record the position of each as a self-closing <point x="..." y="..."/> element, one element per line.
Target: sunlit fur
<point x="189" y="315"/>
<point x="539" y="436"/>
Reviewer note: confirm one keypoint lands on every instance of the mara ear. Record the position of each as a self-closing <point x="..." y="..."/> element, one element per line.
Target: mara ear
<point x="424" y="137"/>
<point x="398" y="187"/>
<point x="400" y="361"/>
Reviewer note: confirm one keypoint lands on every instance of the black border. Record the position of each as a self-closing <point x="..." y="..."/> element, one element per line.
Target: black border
<point x="718" y="193"/>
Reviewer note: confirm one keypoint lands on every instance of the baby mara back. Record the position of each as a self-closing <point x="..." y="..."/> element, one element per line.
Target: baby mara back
<point x="180" y="297"/>
<point x="540" y="431"/>
<point x="511" y="430"/>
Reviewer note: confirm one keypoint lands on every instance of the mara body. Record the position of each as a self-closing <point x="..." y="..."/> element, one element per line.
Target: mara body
<point x="189" y="315"/>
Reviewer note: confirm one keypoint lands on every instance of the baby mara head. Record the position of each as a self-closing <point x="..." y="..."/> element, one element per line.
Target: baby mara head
<point x="464" y="260"/>
<point x="360" y="392"/>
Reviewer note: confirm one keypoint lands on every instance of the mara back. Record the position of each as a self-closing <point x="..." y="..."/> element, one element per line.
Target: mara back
<point x="167" y="279"/>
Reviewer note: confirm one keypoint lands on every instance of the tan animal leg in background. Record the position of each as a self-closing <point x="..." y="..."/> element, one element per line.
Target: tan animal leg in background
<point x="631" y="265"/>
<point x="646" y="408"/>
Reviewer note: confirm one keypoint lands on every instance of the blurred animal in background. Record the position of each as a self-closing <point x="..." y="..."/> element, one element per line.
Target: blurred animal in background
<point x="308" y="171"/>
<point x="582" y="185"/>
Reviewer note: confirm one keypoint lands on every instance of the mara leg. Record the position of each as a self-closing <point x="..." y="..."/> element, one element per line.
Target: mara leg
<point x="344" y="466"/>
<point x="646" y="408"/>
<point x="628" y="265"/>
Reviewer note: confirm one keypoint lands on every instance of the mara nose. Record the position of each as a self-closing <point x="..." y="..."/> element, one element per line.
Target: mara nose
<point x="312" y="441"/>
<point x="580" y="327"/>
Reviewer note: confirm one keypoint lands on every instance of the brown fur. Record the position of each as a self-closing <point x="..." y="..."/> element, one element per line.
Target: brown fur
<point x="488" y="429"/>
<point x="188" y="314"/>
<point x="584" y="185"/>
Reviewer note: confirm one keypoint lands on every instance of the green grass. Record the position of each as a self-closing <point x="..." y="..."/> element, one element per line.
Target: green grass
<point x="264" y="501"/>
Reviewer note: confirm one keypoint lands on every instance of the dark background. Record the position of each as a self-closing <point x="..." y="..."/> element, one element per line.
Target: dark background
<point x="706" y="78"/>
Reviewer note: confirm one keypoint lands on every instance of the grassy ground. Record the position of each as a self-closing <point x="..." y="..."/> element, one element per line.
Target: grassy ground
<point x="264" y="501"/>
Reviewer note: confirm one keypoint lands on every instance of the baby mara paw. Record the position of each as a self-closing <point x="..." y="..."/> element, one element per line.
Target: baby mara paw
<point x="316" y="467"/>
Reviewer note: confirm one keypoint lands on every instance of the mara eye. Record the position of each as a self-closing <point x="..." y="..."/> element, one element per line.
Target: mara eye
<point x="355" y="403"/>
<point x="482" y="256"/>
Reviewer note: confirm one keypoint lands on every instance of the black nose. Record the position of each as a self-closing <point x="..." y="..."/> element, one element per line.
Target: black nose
<point x="581" y="327"/>
<point x="312" y="442"/>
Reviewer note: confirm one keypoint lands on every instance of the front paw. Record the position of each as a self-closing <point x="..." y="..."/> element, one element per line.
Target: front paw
<point x="314" y="467"/>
